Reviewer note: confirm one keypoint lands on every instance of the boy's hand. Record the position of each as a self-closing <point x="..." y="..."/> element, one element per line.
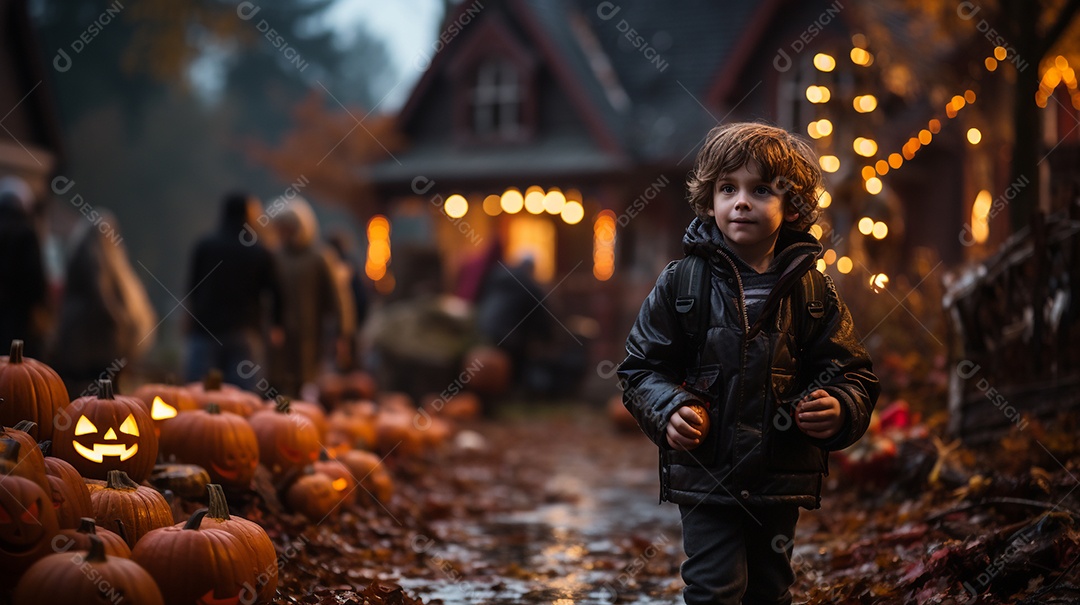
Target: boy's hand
<point x="818" y="415"/>
<point x="687" y="427"/>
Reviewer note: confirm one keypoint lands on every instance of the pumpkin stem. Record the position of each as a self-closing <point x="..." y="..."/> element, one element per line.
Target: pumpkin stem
<point x="16" y="352"/>
<point x="105" y="388"/>
<point x="324" y="456"/>
<point x="25" y="426"/>
<point x="45" y="446"/>
<point x="213" y="408"/>
<point x="219" y="508"/>
<point x="121" y="531"/>
<point x="196" y="519"/>
<point x="97" y="550"/>
<point x="120" y="480"/>
<point x="87" y="526"/>
<point x="213" y="380"/>
<point x="283" y="405"/>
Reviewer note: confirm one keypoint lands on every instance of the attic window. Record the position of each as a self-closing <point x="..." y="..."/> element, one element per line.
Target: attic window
<point x="497" y="101"/>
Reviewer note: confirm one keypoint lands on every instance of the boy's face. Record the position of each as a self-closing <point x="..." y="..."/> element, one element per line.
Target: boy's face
<point x="749" y="212"/>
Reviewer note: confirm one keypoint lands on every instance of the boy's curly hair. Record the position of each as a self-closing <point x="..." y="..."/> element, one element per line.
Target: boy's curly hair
<point x="783" y="158"/>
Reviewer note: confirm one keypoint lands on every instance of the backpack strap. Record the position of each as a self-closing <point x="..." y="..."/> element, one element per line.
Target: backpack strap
<point x="692" y="297"/>
<point x="808" y="308"/>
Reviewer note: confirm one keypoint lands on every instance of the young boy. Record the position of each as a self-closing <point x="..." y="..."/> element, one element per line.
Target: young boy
<point x="745" y="414"/>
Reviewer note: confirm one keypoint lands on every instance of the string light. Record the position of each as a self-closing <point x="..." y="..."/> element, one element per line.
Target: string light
<point x="844" y="265"/>
<point x="880" y="230"/>
<point x="456" y="206"/>
<point x="974" y="135"/>
<point x="873" y="185"/>
<point x="866" y="225"/>
<point x="825" y="199"/>
<point x="818" y="94"/>
<point x="492" y="205"/>
<point x="512" y="201"/>
<point x="824" y="62"/>
<point x="829" y="163"/>
<point x="604" y="245"/>
<point x="864" y="103"/>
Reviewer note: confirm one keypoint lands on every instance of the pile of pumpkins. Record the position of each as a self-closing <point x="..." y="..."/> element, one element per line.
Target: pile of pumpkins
<point x="90" y="517"/>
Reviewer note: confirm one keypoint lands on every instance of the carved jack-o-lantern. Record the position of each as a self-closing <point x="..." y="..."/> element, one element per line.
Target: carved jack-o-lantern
<point x="107" y="433"/>
<point x="287" y="442"/>
<point x="222" y="443"/>
<point x="27" y="525"/>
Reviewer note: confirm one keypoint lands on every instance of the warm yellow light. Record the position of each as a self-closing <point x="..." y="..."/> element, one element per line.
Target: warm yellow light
<point x="882" y="167"/>
<point x="934" y="126"/>
<point x="974" y="135"/>
<point x="867" y="172"/>
<point x="512" y="201"/>
<point x="895" y="160"/>
<point x="829" y="257"/>
<point x="844" y="265"/>
<point x="860" y="56"/>
<point x="969" y="95"/>
<point x="829" y="163"/>
<point x="825" y="200"/>
<point x="816" y="231"/>
<point x="534" y="200"/>
<point x="865" y="147"/>
<point x="378" y="227"/>
<point x="864" y="103"/>
<point x="820" y="266"/>
<point x="84" y="427"/>
<point x="1061" y="62"/>
<point x="990" y="63"/>
<point x="880" y="230"/>
<point x="554" y="201"/>
<point x="818" y="94"/>
<point x="160" y="410"/>
<point x="866" y="225"/>
<point x="925" y="136"/>
<point x="981" y="207"/>
<point x="129" y="427"/>
<point x="878" y="282"/>
<point x="1000" y="53"/>
<point x="340" y="484"/>
<point x="456" y="206"/>
<point x="379" y="251"/>
<point x="374" y="271"/>
<point x="958" y="102"/>
<point x="825" y="127"/>
<point x="812" y="130"/>
<point x="492" y="205"/>
<point x="572" y="212"/>
<point x="873" y="185"/>
<point x="604" y="245"/>
<point x="824" y="62"/>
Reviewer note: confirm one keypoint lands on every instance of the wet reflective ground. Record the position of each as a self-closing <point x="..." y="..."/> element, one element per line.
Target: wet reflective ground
<point x="576" y="519"/>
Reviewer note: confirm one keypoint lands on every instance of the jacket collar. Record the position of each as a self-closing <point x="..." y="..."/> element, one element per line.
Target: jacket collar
<point x="703" y="238"/>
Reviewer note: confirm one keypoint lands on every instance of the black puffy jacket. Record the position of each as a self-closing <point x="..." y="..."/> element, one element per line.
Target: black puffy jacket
<point x="750" y="378"/>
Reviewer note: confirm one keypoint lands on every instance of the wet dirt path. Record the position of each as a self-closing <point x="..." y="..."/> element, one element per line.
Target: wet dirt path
<point x="573" y="518"/>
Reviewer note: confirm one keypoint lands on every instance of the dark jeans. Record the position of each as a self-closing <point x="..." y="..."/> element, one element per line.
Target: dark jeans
<point x="240" y="357"/>
<point x="733" y="558"/>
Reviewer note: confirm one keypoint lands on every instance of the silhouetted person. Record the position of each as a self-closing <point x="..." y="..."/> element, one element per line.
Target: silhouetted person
<point x="314" y="306"/>
<point x="509" y="313"/>
<point x="106" y="322"/>
<point x="23" y="291"/>
<point x="233" y="289"/>
<point x="347" y="273"/>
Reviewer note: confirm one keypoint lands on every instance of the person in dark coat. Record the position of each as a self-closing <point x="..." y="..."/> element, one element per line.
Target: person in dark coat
<point x="233" y="290"/>
<point x="745" y="416"/>
<point x="23" y="285"/>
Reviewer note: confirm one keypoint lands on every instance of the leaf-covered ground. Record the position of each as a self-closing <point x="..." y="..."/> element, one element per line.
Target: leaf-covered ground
<point x="553" y="505"/>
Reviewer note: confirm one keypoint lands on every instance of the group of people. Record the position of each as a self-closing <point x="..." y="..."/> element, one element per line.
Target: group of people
<point x="268" y="301"/>
<point x="272" y="314"/>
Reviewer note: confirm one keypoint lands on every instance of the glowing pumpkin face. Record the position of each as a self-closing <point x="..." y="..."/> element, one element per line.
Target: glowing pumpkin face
<point x="27" y="525"/>
<point x="110" y="444"/>
<point x="159" y="410"/>
<point x="208" y="599"/>
<point x="21" y="529"/>
<point x="108" y="433"/>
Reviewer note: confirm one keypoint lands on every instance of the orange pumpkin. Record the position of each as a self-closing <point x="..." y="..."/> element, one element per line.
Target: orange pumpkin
<point x="140" y="509"/>
<point x="222" y="443"/>
<point x="30" y="390"/>
<point x="27" y="525"/>
<point x="287" y="442"/>
<point x="106" y="433"/>
<point x="254" y="538"/>
<point x="81" y="538"/>
<point x="342" y="480"/>
<point x="194" y="564"/>
<point x="353" y="424"/>
<point x="312" y="411"/>
<point x="313" y="495"/>
<point x="368" y="469"/>
<point x="489" y="370"/>
<point x="64" y="578"/>
<point x="165" y="401"/>
<point x="229" y="398"/>
<point x="71" y="498"/>
<point x="26" y="460"/>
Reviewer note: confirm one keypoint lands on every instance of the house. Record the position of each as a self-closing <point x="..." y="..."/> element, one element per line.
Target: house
<point x="593" y="113"/>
